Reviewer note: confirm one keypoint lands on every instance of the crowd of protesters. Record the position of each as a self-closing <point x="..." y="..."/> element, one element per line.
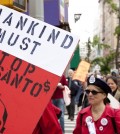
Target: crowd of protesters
<point x="96" y="116"/>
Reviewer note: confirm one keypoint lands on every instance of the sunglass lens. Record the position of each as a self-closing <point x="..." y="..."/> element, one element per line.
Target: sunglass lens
<point x="87" y="91"/>
<point x="94" y="92"/>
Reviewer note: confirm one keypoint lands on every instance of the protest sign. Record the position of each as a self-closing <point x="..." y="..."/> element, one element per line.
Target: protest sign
<point x="114" y="103"/>
<point x="33" y="57"/>
<point x="82" y="71"/>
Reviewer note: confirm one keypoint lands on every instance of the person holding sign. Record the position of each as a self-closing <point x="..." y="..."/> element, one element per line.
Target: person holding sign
<point x="98" y="117"/>
<point x="74" y="86"/>
<point x="58" y="100"/>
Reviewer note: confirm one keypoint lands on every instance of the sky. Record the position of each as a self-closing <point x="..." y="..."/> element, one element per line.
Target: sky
<point x="88" y="10"/>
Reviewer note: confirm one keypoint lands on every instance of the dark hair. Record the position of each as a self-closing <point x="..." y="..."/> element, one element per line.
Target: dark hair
<point x="106" y="101"/>
<point x="113" y="78"/>
<point x="113" y="74"/>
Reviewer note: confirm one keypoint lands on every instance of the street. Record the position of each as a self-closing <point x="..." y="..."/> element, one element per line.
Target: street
<point x="69" y="125"/>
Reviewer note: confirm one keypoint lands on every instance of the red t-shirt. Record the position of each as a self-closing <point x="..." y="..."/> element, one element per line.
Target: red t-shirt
<point x="58" y="94"/>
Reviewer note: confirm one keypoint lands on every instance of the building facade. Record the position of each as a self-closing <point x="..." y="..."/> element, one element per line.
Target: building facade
<point x="107" y="24"/>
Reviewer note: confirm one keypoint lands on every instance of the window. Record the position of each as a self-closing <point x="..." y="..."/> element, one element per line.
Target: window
<point x="20" y="4"/>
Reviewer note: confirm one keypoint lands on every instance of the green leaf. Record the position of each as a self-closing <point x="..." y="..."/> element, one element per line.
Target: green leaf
<point x="117" y="31"/>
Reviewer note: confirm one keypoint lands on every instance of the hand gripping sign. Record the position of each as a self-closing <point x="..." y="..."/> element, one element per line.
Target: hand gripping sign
<point x="33" y="57"/>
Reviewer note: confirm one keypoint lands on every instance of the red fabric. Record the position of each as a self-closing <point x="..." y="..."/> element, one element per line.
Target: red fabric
<point x="56" y="109"/>
<point x="107" y="114"/>
<point x="48" y="123"/>
<point x="58" y="94"/>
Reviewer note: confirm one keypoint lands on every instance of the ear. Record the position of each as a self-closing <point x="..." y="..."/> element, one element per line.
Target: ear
<point x="104" y="95"/>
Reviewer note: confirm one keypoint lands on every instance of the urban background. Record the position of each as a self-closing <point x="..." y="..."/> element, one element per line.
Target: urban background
<point x="101" y="48"/>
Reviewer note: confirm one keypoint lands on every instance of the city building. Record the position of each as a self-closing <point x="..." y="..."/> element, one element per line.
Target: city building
<point x="108" y="21"/>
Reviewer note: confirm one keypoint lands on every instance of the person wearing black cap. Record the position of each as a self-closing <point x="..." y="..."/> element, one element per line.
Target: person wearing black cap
<point x="99" y="117"/>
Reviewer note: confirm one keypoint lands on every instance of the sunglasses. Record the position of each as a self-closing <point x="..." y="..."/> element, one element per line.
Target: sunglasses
<point x="87" y="91"/>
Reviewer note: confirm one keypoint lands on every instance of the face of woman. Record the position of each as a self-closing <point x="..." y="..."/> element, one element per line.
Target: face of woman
<point x="95" y="95"/>
<point x="71" y="73"/>
<point x="112" y="84"/>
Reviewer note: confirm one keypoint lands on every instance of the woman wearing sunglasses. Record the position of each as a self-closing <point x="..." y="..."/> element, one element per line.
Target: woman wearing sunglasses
<point x="98" y="117"/>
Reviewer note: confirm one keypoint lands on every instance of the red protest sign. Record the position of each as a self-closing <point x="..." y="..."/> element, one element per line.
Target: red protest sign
<point x="31" y="53"/>
<point x="23" y="89"/>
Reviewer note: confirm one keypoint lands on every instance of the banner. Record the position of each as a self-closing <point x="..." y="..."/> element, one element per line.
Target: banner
<point x="82" y="71"/>
<point x="33" y="57"/>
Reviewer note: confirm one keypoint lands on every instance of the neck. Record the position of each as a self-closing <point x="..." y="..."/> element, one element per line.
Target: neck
<point x="97" y="111"/>
<point x="98" y="108"/>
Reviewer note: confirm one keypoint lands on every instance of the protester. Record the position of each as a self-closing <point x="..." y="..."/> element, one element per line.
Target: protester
<point x="58" y="100"/>
<point x="70" y="108"/>
<point x="83" y="100"/>
<point x="79" y="91"/>
<point x="49" y="121"/>
<point x="113" y="83"/>
<point x="98" y="117"/>
<point x="74" y="86"/>
<point x="114" y="74"/>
